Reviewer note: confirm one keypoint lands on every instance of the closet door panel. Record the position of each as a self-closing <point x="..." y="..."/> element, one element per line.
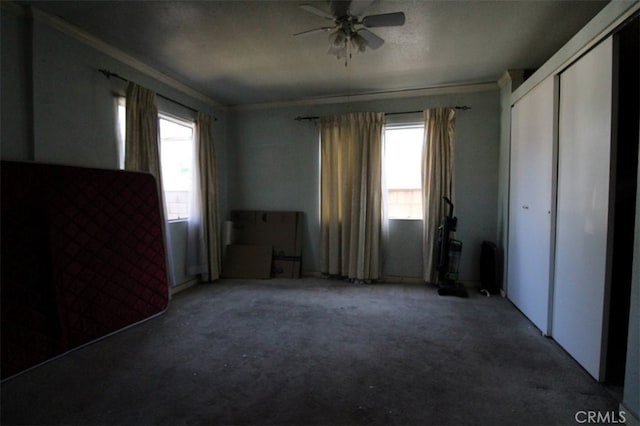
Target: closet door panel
<point x="579" y="320"/>
<point x="530" y="203"/>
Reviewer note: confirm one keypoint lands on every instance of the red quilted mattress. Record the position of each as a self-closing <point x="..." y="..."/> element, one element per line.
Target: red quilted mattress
<point x="82" y="256"/>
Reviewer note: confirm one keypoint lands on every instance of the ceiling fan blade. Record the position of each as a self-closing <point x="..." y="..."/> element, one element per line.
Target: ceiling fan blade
<point x="314" y="31"/>
<point x="384" y="20"/>
<point x="312" y="9"/>
<point x="358" y="7"/>
<point x="373" y="41"/>
<point x="340" y="7"/>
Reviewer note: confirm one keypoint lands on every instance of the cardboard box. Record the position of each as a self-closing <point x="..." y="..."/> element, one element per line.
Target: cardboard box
<point x="286" y="267"/>
<point x="247" y="261"/>
<point x="281" y="230"/>
<point x="244" y="225"/>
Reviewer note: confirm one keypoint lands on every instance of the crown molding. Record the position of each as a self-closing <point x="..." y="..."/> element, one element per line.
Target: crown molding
<point x="375" y="96"/>
<point x="117" y="54"/>
<point x="504" y="79"/>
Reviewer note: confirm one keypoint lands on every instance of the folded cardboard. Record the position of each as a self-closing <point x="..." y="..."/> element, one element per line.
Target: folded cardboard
<point x="286" y="267"/>
<point x="282" y="230"/>
<point x="247" y="261"/>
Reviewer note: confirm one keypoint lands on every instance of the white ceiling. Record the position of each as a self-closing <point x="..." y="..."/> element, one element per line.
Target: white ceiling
<point x="243" y="52"/>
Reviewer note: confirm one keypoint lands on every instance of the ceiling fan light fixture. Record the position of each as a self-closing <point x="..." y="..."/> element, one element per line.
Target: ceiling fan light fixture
<point x="350" y="31"/>
<point x="338" y="42"/>
<point x="339" y="52"/>
<point x="337" y="39"/>
<point x="359" y="43"/>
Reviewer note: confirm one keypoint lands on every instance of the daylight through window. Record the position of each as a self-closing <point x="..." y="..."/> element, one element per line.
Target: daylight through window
<point x="403" y="156"/>
<point x="176" y="155"/>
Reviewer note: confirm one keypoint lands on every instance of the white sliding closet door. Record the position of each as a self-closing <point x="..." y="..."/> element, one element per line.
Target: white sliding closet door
<point x="530" y="203"/>
<point x="584" y="162"/>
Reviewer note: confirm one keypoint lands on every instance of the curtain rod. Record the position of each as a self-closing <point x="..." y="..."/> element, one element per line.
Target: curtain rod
<point x="110" y="74"/>
<point x="315" y="117"/>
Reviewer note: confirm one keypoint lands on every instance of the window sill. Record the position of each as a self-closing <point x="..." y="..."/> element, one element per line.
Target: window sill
<point x="178" y="220"/>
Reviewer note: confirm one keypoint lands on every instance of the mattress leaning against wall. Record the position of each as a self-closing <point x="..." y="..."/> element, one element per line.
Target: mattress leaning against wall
<point x="82" y="257"/>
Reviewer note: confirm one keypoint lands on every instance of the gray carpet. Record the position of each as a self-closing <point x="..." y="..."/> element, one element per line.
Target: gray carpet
<point x="313" y="351"/>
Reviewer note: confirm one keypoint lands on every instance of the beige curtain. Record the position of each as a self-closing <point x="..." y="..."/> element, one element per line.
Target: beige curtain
<point x="142" y="146"/>
<point x="208" y="197"/>
<point x="437" y="180"/>
<point x="142" y="149"/>
<point x="351" y="195"/>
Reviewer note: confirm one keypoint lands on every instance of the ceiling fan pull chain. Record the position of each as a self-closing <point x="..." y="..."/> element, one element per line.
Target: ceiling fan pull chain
<point x="347" y="56"/>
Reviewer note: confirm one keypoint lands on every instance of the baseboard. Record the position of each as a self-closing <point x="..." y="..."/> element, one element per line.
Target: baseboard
<point x="399" y="279"/>
<point x="181" y="287"/>
<point x="472" y="285"/>
<point x="385" y="279"/>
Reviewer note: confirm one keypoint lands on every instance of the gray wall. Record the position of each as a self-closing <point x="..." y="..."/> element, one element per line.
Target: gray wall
<point x="274" y="165"/>
<point x="509" y="82"/>
<point x="72" y="115"/>
<point x="503" y="173"/>
<point x="631" y="397"/>
<point x="15" y="122"/>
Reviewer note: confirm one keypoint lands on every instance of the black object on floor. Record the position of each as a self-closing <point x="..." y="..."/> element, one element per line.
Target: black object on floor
<point x="489" y="268"/>
<point x="453" y="289"/>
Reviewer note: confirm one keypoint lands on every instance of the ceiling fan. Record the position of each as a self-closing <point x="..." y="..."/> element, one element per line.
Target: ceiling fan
<point x="349" y="29"/>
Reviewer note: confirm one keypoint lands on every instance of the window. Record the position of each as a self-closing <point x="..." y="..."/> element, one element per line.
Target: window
<point x="122" y="128"/>
<point x="177" y="160"/>
<point x="403" y="159"/>
<point x="177" y="163"/>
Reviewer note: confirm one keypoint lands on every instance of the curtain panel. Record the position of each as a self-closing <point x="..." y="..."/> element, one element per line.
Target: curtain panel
<point x="203" y="227"/>
<point x="437" y="180"/>
<point x="351" y="195"/>
<point x="142" y="149"/>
